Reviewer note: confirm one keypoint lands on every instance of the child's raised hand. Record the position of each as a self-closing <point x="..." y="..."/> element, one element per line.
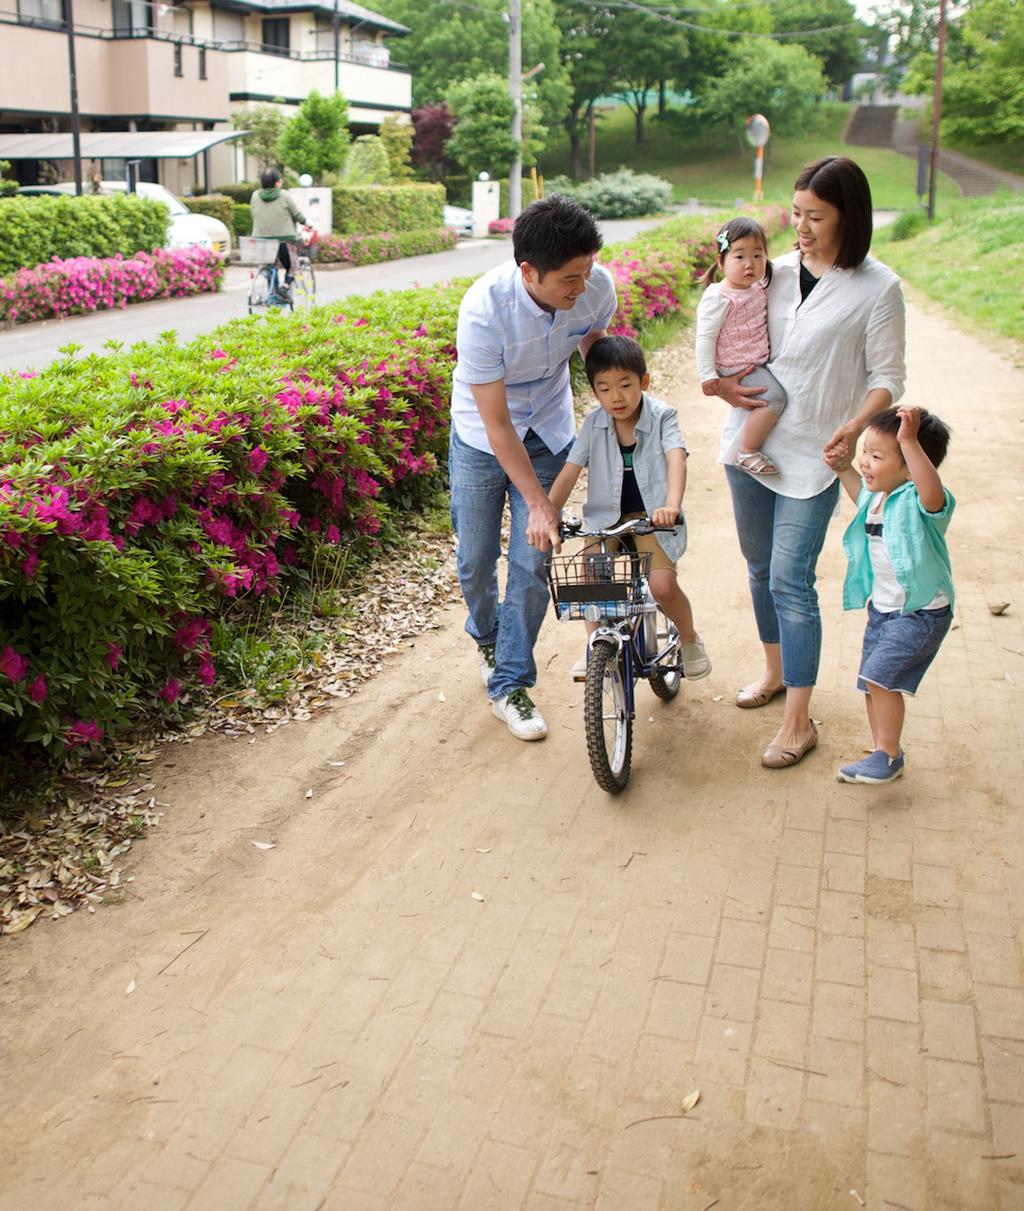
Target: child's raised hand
<point x="910" y="423"/>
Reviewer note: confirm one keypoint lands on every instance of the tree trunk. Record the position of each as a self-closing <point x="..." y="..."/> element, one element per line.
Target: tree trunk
<point x="640" y="123"/>
<point x="662" y="106"/>
<point x="576" y="147"/>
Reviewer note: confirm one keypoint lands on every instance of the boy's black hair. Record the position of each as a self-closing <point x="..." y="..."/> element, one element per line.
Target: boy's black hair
<point x="736" y="229"/>
<point x="841" y="182"/>
<point x="615" y="353"/>
<point x="270" y="177"/>
<point x="552" y="231"/>
<point x="933" y="434"/>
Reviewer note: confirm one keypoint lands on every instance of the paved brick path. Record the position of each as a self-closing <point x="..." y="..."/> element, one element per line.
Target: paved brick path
<point x="337" y="1023"/>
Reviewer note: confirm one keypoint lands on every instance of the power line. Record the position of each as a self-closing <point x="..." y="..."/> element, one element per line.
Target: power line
<point x="711" y="29"/>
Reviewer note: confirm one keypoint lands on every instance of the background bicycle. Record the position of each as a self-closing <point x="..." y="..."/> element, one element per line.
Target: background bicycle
<point x="265" y="290"/>
<point x="606" y="583"/>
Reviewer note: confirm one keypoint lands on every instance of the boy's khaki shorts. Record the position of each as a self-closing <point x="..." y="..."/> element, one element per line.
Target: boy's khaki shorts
<point x="648" y="544"/>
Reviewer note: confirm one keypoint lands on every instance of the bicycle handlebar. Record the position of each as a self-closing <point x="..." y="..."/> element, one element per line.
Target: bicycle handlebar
<point x="573" y="528"/>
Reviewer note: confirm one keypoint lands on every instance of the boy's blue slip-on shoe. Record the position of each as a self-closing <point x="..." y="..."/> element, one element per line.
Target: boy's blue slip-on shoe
<point x="878" y="767"/>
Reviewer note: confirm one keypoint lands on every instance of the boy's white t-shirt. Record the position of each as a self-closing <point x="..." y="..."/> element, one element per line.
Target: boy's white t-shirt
<point x="886" y="594"/>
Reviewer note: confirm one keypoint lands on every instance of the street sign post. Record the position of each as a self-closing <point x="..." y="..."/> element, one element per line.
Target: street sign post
<point x="758" y="131"/>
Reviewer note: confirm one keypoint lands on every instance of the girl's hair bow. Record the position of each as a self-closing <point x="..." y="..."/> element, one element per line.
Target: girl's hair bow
<point x="723" y="241"/>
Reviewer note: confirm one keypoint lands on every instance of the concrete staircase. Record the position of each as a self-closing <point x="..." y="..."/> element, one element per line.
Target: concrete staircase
<point x="881" y="126"/>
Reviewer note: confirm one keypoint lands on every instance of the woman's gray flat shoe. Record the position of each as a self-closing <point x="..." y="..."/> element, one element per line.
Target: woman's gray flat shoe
<point x="775" y="756"/>
<point x="749" y="700"/>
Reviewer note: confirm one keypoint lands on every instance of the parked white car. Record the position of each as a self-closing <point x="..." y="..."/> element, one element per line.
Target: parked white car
<point x="185" y="227"/>
<point x="459" y="220"/>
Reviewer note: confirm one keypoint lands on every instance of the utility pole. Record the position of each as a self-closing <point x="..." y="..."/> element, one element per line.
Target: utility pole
<point x="76" y="125"/>
<point x="515" y="87"/>
<point x="936" y="112"/>
<point x="336" y="21"/>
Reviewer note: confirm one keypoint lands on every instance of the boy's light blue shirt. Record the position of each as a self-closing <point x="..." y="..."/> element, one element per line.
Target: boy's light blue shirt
<point x="597" y="448"/>
<point x="504" y="333"/>
<point x="915" y="540"/>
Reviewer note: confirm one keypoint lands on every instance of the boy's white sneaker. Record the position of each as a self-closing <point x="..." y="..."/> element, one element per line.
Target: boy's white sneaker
<point x="487" y="662"/>
<point x="696" y="661"/>
<point x="522" y="718"/>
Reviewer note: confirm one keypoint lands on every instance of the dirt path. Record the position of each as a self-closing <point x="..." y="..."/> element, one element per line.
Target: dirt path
<point x="337" y="1022"/>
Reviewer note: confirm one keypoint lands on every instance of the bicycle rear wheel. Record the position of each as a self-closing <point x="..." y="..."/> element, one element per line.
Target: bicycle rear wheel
<point x="666" y="681"/>
<point x="606" y="716"/>
<point x="304" y="286"/>
<point x="260" y="291"/>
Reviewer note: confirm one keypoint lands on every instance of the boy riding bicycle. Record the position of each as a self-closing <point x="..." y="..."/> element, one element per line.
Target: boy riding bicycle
<point x="637" y="465"/>
<point x="274" y="217"/>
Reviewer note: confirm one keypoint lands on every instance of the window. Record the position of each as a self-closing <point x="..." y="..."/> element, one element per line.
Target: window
<point x="228" y="27"/>
<point x="177" y="59"/>
<point x="202" y="63"/>
<point x="276" y="35"/>
<point x="133" y="16"/>
<point x="43" y="12"/>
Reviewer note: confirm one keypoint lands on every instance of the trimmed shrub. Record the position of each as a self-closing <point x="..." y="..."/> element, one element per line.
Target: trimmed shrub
<point x="367" y="162"/>
<point x="359" y="209"/>
<point x="908" y="224"/>
<point x="8" y="188"/>
<point x="384" y="245"/>
<point x="142" y="493"/>
<point x="243" y="218"/>
<point x="216" y="205"/>
<point x="617" y="195"/>
<point x="239" y="191"/>
<point x="36" y="229"/>
<point x="501" y="226"/>
<point x="84" y="284"/>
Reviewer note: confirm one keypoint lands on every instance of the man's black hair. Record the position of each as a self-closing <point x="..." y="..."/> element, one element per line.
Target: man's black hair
<point x="270" y="177"/>
<point x="615" y="353"/>
<point x="552" y="231"/>
<point x="933" y="434"/>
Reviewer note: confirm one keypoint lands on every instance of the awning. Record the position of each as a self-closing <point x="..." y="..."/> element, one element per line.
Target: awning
<point x="116" y="144"/>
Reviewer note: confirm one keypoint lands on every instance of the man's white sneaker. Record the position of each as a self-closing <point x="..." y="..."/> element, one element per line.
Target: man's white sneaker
<point x="579" y="669"/>
<point x="487" y="662"/>
<point x="523" y="719"/>
<point x="696" y="662"/>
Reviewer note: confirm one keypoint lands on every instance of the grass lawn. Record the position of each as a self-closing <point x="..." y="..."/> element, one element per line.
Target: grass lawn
<point x="710" y="165"/>
<point x="971" y="260"/>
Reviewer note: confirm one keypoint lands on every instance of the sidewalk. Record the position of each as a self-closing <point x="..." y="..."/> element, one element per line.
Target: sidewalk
<point x="337" y="1023"/>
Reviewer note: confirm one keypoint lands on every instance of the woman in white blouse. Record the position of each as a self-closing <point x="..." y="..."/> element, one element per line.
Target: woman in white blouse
<point x="836" y="322"/>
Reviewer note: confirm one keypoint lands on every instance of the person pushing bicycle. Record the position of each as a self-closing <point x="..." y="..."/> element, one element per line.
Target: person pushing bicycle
<point x="637" y="465"/>
<point x="275" y="216"/>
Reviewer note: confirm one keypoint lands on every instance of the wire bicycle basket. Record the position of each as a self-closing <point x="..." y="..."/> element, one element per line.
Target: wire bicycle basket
<point x="598" y="584"/>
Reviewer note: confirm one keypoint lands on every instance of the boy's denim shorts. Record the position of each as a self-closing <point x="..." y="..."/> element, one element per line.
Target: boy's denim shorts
<point x="898" y="648"/>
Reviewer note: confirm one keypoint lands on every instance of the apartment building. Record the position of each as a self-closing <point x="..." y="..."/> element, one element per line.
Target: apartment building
<point x="151" y="66"/>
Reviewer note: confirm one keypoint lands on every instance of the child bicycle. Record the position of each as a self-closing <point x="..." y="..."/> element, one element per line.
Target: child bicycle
<point x="265" y="290"/>
<point x="606" y="583"/>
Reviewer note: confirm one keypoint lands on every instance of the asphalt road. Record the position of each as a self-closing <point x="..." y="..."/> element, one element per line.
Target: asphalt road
<point x="32" y="346"/>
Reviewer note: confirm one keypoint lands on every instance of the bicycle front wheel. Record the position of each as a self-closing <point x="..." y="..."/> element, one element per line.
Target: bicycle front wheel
<point x="304" y="286"/>
<point x="665" y="681"/>
<point x="606" y="715"/>
<point x="260" y="291"/>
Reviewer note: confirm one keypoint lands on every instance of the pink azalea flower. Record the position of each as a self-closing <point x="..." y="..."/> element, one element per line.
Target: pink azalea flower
<point x="114" y="655"/>
<point x="171" y="691"/>
<point x="258" y="459"/>
<point x="83" y="731"/>
<point x="13" y="666"/>
<point x="37" y="689"/>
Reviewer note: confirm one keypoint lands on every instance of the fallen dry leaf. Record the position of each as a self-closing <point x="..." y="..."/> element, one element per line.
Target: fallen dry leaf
<point x="690" y="1101"/>
<point x="998" y="607"/>
<point x="130" y="989"/>
<point x="478" y="896"/>
<point x="441" y="696"/>
<point x="309" y="793"/>
<point x="264" y="844"/>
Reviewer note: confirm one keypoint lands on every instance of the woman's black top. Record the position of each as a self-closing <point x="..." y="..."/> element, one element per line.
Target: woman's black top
<point x="807" y="281"/>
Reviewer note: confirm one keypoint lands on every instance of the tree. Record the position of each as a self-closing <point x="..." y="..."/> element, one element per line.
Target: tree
<point x="266" y="124"/>
<point x="433" y="126"/>
<point x="397" y="136"/>
<point x="781" y="82"/>
<point x="367" y="162"/>
<point x="841" y="50"/>
<point x="644" y="47"/>
<point x="316" y="139"/>
<point x="482" y="138"/>
<point x="586" y="42"/>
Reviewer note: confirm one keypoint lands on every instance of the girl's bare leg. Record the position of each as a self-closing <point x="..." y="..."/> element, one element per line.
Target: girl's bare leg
<point x="759" y="423"/>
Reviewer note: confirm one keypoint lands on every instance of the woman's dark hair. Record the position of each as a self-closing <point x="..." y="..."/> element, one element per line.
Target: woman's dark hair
<point x="270" y="177"/>
<point x="736" y="229"/>
<point x="842" y="184"/>
<point x="552" y="231"/>
<point x="933" y="434"/>
<point x="615" y="353"/>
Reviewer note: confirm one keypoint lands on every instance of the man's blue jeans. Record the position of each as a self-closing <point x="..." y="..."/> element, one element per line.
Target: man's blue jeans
<point x="479" y="488"/>
<point x="781" y="538"/>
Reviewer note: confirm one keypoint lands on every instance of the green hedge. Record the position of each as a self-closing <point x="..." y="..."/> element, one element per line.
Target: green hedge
<point x="216" y="205"/>
<point x="243" y="218"/>
<point x="239" y="191"/>
<point x="384" y="245"/>
<point x="359" y="209"/>
<point x="37" y="229"/>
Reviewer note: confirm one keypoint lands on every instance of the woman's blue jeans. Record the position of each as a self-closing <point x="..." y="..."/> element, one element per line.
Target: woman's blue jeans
<point x="781" y="538"/>
<point x="479" y="488"/>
